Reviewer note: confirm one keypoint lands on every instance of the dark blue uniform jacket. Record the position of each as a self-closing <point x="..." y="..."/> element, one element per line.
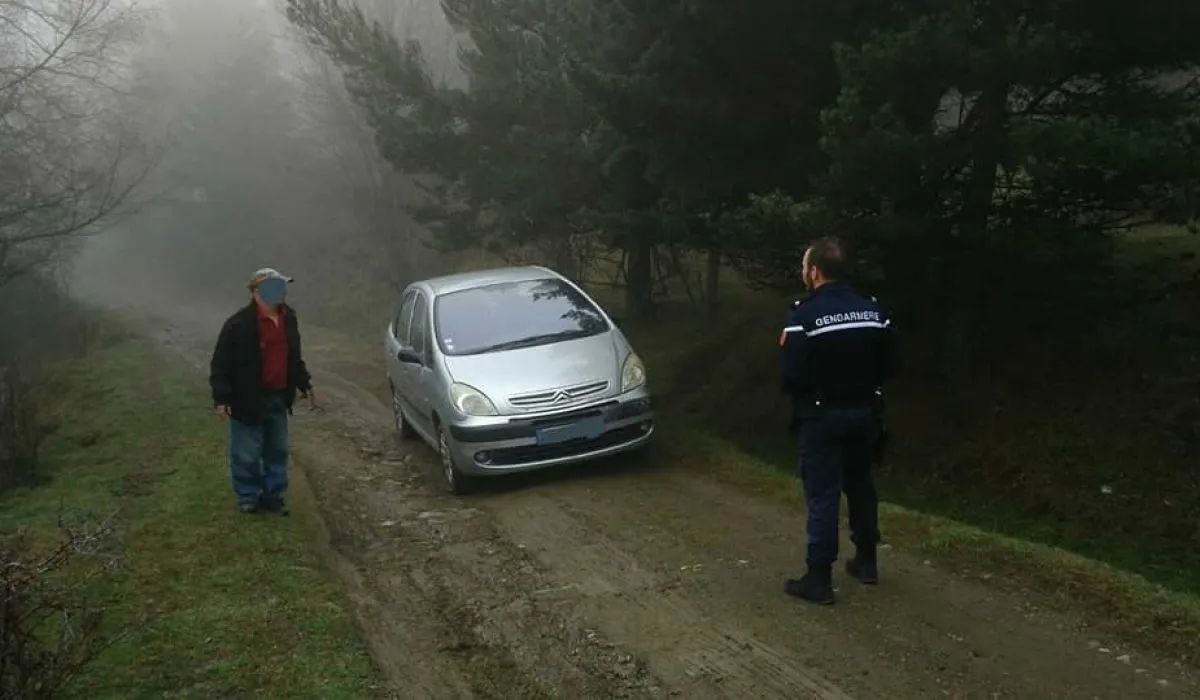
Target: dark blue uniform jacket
<point x="837" y="350"/>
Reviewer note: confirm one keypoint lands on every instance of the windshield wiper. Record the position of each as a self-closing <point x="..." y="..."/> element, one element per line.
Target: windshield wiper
<point x="531" y="340"/>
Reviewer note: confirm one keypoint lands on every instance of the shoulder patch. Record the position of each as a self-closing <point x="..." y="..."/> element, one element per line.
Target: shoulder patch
<point x="874" y="300"/>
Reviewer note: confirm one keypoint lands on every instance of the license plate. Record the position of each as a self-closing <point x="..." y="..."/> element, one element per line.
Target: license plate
<point x="585" y="429"/>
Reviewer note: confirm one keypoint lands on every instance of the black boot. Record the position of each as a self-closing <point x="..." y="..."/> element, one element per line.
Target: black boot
<point x="815" y="586"/>
<point x="275" y="506"/>
<point x="863" y="567"/>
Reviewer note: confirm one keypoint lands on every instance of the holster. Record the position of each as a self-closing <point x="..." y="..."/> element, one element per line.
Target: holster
<point x="884" y="435"/>
<point x="881" y="443"/>
<point x="795" y="422"/>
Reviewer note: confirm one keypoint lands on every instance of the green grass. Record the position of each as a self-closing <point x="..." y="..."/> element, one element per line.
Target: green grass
<point x="1123" y="602"/>
<point x="213" y="604"/>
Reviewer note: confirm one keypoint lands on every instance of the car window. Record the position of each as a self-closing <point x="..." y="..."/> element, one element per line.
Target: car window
<point x="420" y="325"/>
<point x="510" y="315"/>
<point x="400" y="323"/>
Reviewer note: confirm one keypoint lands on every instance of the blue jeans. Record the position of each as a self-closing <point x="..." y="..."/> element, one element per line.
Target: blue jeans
<point x="836" y="450"/>
<point x="258" y="456"/>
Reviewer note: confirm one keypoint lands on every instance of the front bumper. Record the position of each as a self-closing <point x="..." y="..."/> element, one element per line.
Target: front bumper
<point x="503" y="444"/>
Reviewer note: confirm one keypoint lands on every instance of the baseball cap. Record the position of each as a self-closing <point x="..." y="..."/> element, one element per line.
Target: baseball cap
<point x="267" y="273"/>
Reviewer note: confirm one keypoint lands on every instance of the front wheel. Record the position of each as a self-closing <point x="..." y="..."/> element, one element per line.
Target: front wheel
<point x="455" y="481"/>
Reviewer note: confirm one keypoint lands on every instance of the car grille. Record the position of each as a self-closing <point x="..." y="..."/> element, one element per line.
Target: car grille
<point x="557" y="397"/>
<point x="513" y="456"/>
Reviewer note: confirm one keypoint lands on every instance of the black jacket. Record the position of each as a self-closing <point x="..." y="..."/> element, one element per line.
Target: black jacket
<point x="235" y="372"/>
<point x="837" y="350"/>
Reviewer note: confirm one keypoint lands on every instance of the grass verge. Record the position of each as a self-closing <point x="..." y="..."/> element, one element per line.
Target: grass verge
<point x="214" y="604"/>
<point x="1121" y="602"/>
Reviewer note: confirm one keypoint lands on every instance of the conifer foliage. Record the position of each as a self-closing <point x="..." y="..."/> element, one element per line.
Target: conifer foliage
<point x="953" y="139"/>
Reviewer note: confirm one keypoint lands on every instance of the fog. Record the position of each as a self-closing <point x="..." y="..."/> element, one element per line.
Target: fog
<point x="259" y="158"/>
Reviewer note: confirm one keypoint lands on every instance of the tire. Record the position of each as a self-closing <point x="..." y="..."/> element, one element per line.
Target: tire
<point x="453" y="478"/>
<point x="403" y="429"/>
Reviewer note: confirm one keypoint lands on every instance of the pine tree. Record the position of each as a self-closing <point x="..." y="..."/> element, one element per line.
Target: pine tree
<point x="975" y="139"/>
<point x="503" y="161"/>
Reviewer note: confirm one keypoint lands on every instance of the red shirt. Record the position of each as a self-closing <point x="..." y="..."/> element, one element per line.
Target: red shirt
<point x="272" y="341"/>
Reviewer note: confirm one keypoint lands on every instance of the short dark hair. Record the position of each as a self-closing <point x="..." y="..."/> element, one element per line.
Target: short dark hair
<point x="828" y="254"/>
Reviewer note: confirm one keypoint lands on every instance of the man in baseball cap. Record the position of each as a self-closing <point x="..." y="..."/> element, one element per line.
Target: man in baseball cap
<point x="267" y="273"/>
<point x="257" y="370"/>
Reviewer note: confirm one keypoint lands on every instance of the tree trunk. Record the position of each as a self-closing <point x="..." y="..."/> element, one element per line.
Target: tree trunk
<point x="562" y="257"/>
<point x="712" y="281"/>
<point x="967" y="261"/>
<point x="639" y="277"/>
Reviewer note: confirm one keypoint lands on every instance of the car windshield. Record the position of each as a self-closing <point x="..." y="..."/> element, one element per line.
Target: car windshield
<point x="513" y="315"/>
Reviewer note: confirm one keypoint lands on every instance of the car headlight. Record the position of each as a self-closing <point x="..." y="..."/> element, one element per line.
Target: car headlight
<point x="471" y="401"/>
<point x="633" y="373"/>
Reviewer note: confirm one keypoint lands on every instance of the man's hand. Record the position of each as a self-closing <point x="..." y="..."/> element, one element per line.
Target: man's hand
<point x="224" y="412"/>
<point x="311" y="397"/>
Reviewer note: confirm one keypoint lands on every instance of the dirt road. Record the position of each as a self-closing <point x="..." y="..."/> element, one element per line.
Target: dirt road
<point x="641" y="580"/>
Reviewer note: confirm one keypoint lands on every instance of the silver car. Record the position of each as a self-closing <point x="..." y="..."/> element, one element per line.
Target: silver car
<point x="510" y="370"/>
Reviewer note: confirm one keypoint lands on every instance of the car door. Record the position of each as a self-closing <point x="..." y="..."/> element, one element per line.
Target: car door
<point x="397" y="339"/>
<point x="421" y="375"/>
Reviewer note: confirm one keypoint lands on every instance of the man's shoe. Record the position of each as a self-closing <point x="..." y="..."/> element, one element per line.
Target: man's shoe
<point x="276" y="507"/>
<point x="815" y="586"/>
<point x="247" y="508"/>
<point x="863" y="567"/>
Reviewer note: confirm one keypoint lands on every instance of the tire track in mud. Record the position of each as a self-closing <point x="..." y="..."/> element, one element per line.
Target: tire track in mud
<point x="384" y="613"/>
<point x="435" y="577"/>
<point x="647" y="610"/>
<point x="593" y="580"/>
<point x="924" y="633"/>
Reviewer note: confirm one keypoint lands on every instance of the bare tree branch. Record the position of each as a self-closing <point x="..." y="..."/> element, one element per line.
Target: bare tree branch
<point x="53" y="605"/>
<point x="67" y="163"/>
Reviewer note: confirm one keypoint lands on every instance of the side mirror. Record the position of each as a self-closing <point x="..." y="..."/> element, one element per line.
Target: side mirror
<point x="408" y="356"/>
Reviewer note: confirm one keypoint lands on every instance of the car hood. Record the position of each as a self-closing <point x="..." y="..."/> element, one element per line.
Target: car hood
<point x="572" y="363"/>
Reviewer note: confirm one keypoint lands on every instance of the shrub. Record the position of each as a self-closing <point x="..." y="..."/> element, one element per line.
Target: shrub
<point x="52" y="606"/>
